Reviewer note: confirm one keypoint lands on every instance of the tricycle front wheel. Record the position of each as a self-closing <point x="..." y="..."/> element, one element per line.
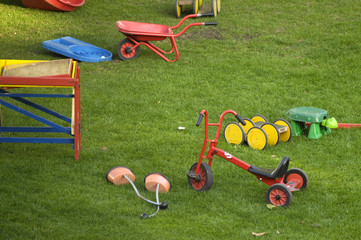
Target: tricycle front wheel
<point x="204" y="180"/>
<point x="125" y="51"/>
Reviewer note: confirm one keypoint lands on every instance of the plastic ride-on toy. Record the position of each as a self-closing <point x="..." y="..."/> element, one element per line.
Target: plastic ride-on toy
<point x="282" y="181"/>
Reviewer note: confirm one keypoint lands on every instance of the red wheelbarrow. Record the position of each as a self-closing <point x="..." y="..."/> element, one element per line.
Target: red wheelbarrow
<point x="138" y="33"/>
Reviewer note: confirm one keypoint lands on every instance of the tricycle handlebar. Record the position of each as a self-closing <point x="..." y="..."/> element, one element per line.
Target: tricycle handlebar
<point x="240" y="119"/>
<point x="200" y="117"/>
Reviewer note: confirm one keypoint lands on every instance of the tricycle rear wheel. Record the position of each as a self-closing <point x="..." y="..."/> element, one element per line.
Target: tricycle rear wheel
<point x="125" y="51"/>
<point x="205" y="177"/>
<point x="279" y="195"/>
<point x="298" y="174"/>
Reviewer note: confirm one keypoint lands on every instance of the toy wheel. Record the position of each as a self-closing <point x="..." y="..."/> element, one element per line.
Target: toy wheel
<point x="259" y="118"/>
<point x="214" y="7"/>
<point x="272" y="133"/>
<point x="116" y="175"/>
<point x="234" y="134"/>
<point x="205" y="181"/>
<point x="297" y="174"/>
<point x="218" y="5"/>
<point x="178" y="9"/>
<point x="153" y="179"/>
<point x="285" y="136"/>
<point x="195" y="6"/>
<point x="279" y="195"/>
<point x="125" y="52"/>
<point x="248" y="126"/>
<point x="257" y="138"/>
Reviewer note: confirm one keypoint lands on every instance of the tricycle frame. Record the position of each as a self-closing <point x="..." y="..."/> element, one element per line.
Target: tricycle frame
<point x="213" y="150"/>
<point x="282" y="181"/>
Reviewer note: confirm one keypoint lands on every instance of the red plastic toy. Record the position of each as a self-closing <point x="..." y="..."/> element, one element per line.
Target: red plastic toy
<point x="282" y="181"/>
<point x="138" y="33"/>
<point x="54" y="5"/>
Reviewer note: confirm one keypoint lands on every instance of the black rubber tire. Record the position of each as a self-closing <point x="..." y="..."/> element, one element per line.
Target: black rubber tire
<point x="300" y="174"/>
<point x="195" y="6"/>
<point x="206" y="180"/>
<point x="279" y="195"/>
<point x="121" y="50"/>
<point x="289" y="133"/>
<point x="177" y="8"/>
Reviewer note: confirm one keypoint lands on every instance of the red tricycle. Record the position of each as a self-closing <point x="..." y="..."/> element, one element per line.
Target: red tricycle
<point x="282" y="181"/>
<point x="138" y="33"/>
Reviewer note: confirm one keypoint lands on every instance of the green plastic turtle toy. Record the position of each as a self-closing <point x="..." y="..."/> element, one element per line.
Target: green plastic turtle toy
<point x="317" y="119"/>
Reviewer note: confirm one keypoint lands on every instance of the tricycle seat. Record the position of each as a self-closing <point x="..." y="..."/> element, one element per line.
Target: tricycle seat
<point x="278" y="172"/>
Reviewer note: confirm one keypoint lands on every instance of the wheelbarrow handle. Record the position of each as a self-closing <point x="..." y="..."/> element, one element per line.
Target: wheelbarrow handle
<point x="208" y="14"/>
<point x="240" y="119"/>
<point x="210" y="23"/>
<point x="200" y="117"/>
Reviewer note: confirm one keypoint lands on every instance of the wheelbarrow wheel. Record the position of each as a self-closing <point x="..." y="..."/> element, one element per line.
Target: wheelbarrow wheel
<point x="279" y="195"/>
<point x="125" y="52"/>
<point x="257" y="138"/>
<point x="248" y="126"/>
<point x="272" y="133"/>
<point x="297" y="174"/>
<point x="259" y="118"/>
<point x="204" y="180"/>
<point x="178" y="9"/>
<point x="234" y="134"/>
<point x="285" y="136"/>
<point x="195" y="6"/>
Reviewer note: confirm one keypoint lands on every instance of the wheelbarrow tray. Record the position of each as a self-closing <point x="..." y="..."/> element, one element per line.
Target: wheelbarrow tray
<point x="144" y="31"/>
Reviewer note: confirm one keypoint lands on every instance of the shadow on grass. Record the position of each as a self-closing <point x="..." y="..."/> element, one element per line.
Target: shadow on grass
<point x="13" y="2"/>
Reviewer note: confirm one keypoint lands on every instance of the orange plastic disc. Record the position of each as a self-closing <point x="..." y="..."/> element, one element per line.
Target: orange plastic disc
<point x="116" y="175"/>
<point x="153" y="179"/>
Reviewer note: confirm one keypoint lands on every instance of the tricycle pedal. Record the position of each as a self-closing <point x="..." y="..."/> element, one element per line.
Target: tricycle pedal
<point x="193" y="175"/>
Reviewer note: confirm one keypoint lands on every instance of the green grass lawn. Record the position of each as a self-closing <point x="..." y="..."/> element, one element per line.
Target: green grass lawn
<point x="263" y="57"/>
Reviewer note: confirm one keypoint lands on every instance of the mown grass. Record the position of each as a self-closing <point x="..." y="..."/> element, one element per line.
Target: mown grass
<point x="264" y="57"/>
